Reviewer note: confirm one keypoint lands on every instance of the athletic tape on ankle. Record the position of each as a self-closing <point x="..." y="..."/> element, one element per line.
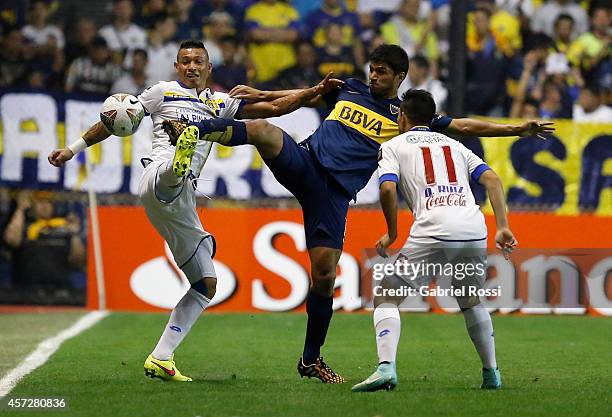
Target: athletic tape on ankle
<point x="77" y="146"/>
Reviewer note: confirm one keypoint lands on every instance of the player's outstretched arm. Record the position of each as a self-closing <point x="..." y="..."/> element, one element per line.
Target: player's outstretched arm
<point x="504" y="239"/>
<point x="253" y="95"/>
<point x="97" y="133"/>
<point x="474" y="127"/>
<point x="388" y="202"/>
<point x="289" y="103"/>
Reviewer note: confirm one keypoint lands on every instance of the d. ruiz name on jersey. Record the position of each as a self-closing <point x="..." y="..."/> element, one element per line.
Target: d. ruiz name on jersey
<point x="364" y="120"/>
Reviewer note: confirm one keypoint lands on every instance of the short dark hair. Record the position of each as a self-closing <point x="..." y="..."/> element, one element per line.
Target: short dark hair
<point x="158" y="18"/>
<point x="99" y="42"/>
<point x="598" y="5"/>
<point x="530" y="101"/>
<point x="229" y="38"/>
<point x="563" y="16"/>
<point x="485" y="10"/>
<point x="420" y="61"/>
<point x="418" y="106"/>
<point x="392" y="55"/>
<point x="142" y="52"/>
<point x="192" y="44"/>
<point x="593" y="89"/>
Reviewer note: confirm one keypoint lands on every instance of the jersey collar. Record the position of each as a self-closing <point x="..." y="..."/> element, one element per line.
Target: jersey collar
<point x="420" y="129"/>
<point x="183" y="85"/>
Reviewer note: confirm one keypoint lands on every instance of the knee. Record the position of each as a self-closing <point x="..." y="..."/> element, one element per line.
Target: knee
<point x="206" y="286"/>
<point x="259" y="129"/>
<point x="323" y="281"/>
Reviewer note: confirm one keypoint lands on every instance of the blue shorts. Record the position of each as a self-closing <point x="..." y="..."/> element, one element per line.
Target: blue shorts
<point x="324" y="201"/>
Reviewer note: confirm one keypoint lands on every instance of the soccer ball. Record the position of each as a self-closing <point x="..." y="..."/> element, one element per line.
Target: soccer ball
<point x="122" y="114"/>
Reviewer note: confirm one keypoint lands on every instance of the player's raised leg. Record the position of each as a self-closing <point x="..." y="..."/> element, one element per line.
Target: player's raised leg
<point x="267" y="138"/>
<point x="185" y="140"/>
<point x="160" y="363"/>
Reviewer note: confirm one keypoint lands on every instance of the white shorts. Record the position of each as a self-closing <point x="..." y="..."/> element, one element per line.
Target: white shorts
<point x="174" y="216"/>
<point x="461" y="263"/>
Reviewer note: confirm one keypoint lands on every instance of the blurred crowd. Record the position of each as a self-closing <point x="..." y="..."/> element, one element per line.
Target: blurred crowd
<point x="42" y="249"/>
<point x="526" y="58"/>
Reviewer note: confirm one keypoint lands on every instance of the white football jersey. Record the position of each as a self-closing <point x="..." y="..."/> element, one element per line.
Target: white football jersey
<point x="434" y="174"/>
<point x="169" y="100"/>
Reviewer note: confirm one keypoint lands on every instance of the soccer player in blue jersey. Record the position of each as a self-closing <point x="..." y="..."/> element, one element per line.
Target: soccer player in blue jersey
<point x="326" y="171"/>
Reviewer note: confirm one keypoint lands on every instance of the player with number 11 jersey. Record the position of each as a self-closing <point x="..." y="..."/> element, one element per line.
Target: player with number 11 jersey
<point x="434" y="176"/>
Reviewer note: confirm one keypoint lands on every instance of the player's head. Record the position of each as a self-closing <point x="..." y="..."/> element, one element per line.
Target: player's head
<point x="192" y="64"/>
<point x="418" y="108"/>
<point x="388" y="68"/>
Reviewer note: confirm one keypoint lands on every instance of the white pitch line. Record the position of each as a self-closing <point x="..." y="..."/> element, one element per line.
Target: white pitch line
<point x="45" y="349"/>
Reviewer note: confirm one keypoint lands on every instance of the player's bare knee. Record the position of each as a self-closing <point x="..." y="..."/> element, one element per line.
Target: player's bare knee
<point x="258" y="131"/>
<point x="323" y="281"/>
<point x="267" y="138"/>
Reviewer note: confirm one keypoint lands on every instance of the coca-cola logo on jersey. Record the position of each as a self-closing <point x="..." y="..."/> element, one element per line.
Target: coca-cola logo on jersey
<point x="448" y="200"/>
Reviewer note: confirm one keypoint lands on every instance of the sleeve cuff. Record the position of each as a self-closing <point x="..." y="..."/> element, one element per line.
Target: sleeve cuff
<point x="388" y="177"/>
<point x="440" y="123"/>
<point x="478" y="171"/>
<point x="240" y="106"/>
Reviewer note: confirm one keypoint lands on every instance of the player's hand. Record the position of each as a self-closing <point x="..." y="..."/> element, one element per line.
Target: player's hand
<point x="59" y="157"/>
<point x="328" y="84"/>
<point x="247" y="93"/>
<point x="383" y="243"/>
<point x="536" y="128"/>
<point x="505" y="240"/>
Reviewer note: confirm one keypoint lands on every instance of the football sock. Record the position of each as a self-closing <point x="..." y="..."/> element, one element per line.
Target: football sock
<point x="319" y="310"/>
<point x="224" y="131"/>
<point x="388" y="328"/>
<point x="168" y="185"/>
<point x="186" y="312"/>
<point x="480" y="328"/>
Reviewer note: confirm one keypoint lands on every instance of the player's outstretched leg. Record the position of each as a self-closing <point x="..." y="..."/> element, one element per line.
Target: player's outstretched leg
<point x="267" y="138"/>
<point x="160" y="363"/>
<point x="480" y="328"/>
<point x="319" y="309"/>
<point x="387" y="326"/>
<point x="185" y="138"/>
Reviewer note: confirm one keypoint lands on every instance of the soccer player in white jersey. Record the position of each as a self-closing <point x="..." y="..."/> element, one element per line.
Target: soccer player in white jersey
<point x="433" y="172"/>
<point x="167" y="189"/>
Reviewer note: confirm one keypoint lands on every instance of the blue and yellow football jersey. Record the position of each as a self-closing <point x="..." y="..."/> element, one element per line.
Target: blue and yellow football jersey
<point x="347" y="142"/>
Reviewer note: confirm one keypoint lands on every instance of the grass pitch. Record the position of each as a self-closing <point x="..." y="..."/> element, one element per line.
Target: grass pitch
<point x="244" y="365"/>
